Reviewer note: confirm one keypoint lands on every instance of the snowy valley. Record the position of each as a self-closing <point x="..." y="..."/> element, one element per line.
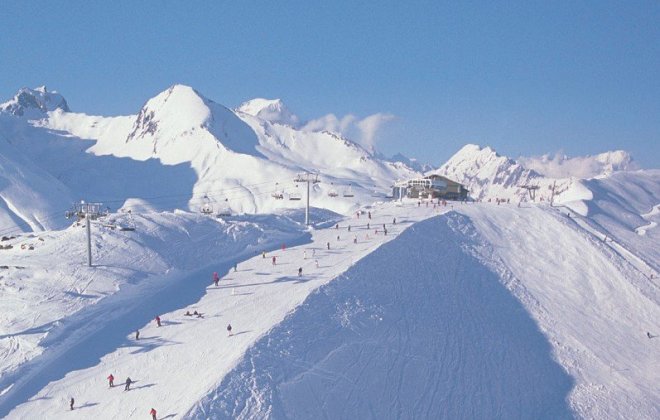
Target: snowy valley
<point x="505" y="306"/>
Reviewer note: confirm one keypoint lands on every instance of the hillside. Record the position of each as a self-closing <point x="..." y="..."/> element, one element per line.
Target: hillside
<point x="503" y="306"/>
<point x="199" y="151"/>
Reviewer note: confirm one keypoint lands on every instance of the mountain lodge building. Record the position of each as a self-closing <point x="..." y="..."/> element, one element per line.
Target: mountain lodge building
<point x="431" y="186"/>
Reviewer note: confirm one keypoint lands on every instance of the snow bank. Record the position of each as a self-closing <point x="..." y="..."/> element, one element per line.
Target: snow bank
<point x="417" y="329"/>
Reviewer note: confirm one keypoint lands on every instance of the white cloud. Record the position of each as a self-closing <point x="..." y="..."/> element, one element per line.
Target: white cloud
<point x="363" y="131"/>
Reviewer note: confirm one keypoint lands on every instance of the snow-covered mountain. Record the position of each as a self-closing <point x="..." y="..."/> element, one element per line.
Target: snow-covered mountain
<point x="519" y="297"/>
<point x="490" y="176"/>
<point x="34" y="103"/>
<point x="187" y="151"/>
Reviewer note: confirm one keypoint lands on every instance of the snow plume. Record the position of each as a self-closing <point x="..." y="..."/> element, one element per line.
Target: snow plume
<point x="363" y="131"/>
<point x="562" y="166"/>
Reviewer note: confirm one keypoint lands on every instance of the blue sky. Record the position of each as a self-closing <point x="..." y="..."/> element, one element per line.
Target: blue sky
<point x="523" y="77"/>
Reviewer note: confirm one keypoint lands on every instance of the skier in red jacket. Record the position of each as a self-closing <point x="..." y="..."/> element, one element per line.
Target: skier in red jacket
<point x="158" y="320"/>
<point x="216" y="278"/>
<point x="153" y="414"/>
<point x="111" y="380"/>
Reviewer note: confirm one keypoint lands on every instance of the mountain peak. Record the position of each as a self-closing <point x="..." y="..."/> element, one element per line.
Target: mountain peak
<point x="273" y="110"/>
<point x="34" y="103"/>
<point x="179" y="104"/>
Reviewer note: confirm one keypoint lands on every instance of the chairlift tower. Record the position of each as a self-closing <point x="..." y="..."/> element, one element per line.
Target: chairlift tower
<point x="531" y="189"/>
<point x="89" y="212"/>
<point x="309" y="178"/>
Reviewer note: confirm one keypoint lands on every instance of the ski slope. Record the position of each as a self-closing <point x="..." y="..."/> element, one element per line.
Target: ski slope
<point x="485" y="311"/>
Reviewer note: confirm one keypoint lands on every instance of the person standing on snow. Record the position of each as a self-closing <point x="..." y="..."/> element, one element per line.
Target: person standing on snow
<point x="216" y="278"/>
<point x="274" y="260"/>
<point x="317" y="263"/>
<point x="71" y="403"/>
<point x="137" y="335"/>
<point x="299" y="271"/>
<point x="127" y="387"/>
<point x="153" y="414"/>
<point x="158" y="320"/>
<point x="394" y="221"/>
<point x="229" y="330"/>
<point x="263" y="254"/>
<point x="328" y="245"/>
<point x="111" y="381"/>
<point x="235" y="267"/>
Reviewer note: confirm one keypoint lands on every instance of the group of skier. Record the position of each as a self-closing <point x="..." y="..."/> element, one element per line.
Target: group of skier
<point x="216" y="281"/>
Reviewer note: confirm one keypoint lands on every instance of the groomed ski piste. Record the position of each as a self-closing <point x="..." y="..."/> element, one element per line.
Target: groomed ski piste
<point x="465" y="311"/>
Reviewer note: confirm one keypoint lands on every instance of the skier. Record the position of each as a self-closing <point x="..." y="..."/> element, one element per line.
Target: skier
<point x="648" y="334"/>
<point x="158" y="321"/>
<point x="274" y="260"/>
<point x="299" y="271"/>
<point x="337" y="226"/>
<point x="216" y="278"/>
<point x="111" y="380"/>
<point x="71" y="403"/>
<point x="188" y="313"/>
<point x="358" y="214"/>
<point x="369" y="214"/>
<point x="127" y="387"/>
<point x="337" y="237"/>
<point x="229" y="329"/>
<point x="317" y="263"/>
<point x="385" y="232"/>
<point x="328" y="245"/>
<point x="263" y="254"/>
<point x="304" y="254"/>
<point x="355" y="239"/>
<point x="235" y="267"/>
<point x="137" y="334"/>
<point x="394" y="220"/>
<point x="349" y="228"/>
<point x="153" y="414"/>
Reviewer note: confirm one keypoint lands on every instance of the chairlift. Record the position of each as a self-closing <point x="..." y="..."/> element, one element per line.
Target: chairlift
<point x="349" y="192"/>
<point x="277" y="194"/>
<point x="130" y="224"/>
<point x="295" y="196"/>
<point x="224" y="210"/>
<point x="332" y="193"/>
<point x="207" y="207"/>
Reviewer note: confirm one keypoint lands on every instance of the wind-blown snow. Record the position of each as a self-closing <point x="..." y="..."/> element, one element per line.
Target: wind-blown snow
<point x="562" y="166"/>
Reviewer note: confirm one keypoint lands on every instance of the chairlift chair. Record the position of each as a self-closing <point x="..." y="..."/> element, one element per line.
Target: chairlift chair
<point x="130" y="225"/>
<point x="207" y="207"/>
<point x="278" y="194"/>
<point x="332" y="193"/>
<point x="295" y="196"/>
<point x="349" y="192"/>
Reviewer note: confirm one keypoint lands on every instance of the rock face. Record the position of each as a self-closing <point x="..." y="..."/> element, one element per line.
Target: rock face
<point x="34" y="103"/>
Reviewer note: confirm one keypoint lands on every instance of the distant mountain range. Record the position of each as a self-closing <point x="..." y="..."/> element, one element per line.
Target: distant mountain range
<point x="183" y="150"/>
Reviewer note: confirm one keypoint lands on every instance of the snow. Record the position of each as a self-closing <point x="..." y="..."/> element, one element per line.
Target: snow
<point x="273" y="110"/>
<point x="470" y="310"/>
